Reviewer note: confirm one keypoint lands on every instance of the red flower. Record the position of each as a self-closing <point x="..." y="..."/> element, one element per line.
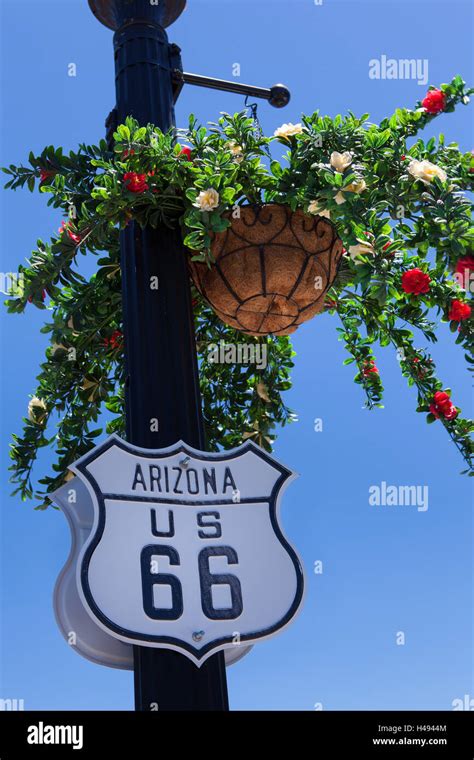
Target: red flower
<point x="369" y="369"/>
<point x="441" y="398"/>
<point x="128" y="153"/>
<point x="46" y="174"/>
<point x="135" y="183"/>
<point x="418" y="368"/>
<point x="391" y="254"/>
<point x="463" y="267"/>
<point x="114" y="341"/>
<point x="442" y="406"/>
<point x="459" y="311"/>
<point x="116" y="338"/>
<point x="72" y="235"/>
<point x="186" y="151"/>
<point x="450" y="413"/>
<point x="415" y="281"/>
<point x="434" y="101"/>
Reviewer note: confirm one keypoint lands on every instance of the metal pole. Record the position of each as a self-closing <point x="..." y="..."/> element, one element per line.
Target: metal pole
<point x="163" y="401"/>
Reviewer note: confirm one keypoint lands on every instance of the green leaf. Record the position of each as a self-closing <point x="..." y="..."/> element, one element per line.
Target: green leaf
<point x="123" y="132"/>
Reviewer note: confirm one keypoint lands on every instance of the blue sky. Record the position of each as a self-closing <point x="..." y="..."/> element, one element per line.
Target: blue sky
<point x="385" y="570"/>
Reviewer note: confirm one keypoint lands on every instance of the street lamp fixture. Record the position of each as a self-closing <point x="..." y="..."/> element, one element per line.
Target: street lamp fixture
<point x="111" y="12"/>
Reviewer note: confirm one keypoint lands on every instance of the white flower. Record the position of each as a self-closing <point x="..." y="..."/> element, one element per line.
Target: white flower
<point x="356" y="187"/>
<point x="37" y="410"/>
<point x="341" y="161"/>
<point x="207" y="200"/>
<point x="315" y="208"/>
<point x="288" y="130"/>
<point x="363" y="248"/>
<point x="236" y="150"/>
<point x="426" y="171"/>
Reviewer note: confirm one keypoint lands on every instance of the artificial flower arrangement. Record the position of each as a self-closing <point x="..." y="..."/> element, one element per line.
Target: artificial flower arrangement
<point x="377" y="218"/>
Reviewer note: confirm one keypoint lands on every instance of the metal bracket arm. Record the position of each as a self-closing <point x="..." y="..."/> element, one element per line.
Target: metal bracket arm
<point x="278" y="95"/>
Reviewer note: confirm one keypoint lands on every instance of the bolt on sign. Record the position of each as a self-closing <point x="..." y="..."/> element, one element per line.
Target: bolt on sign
<point x="186" y="551"/>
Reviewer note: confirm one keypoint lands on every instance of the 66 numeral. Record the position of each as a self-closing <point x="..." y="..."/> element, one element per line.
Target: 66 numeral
<point x="206" y="578"/>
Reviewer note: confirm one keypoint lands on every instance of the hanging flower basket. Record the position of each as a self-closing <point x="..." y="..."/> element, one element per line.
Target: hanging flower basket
<point x="272" y="269"/>
<point x="265" y="239"/>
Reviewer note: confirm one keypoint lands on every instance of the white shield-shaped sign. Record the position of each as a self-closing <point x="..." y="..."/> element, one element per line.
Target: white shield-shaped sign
<point x="77" y="626"/>
<point x="186" y="550"/>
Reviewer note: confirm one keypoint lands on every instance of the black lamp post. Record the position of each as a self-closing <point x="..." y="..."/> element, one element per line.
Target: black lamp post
<point x="163" y="402"/>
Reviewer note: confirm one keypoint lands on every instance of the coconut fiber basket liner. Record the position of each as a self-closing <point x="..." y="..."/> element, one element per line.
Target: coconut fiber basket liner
<point x="271" y="271"/>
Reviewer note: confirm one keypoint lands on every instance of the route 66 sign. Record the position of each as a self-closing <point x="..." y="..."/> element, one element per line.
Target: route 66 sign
<point x="186" y="551"/>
